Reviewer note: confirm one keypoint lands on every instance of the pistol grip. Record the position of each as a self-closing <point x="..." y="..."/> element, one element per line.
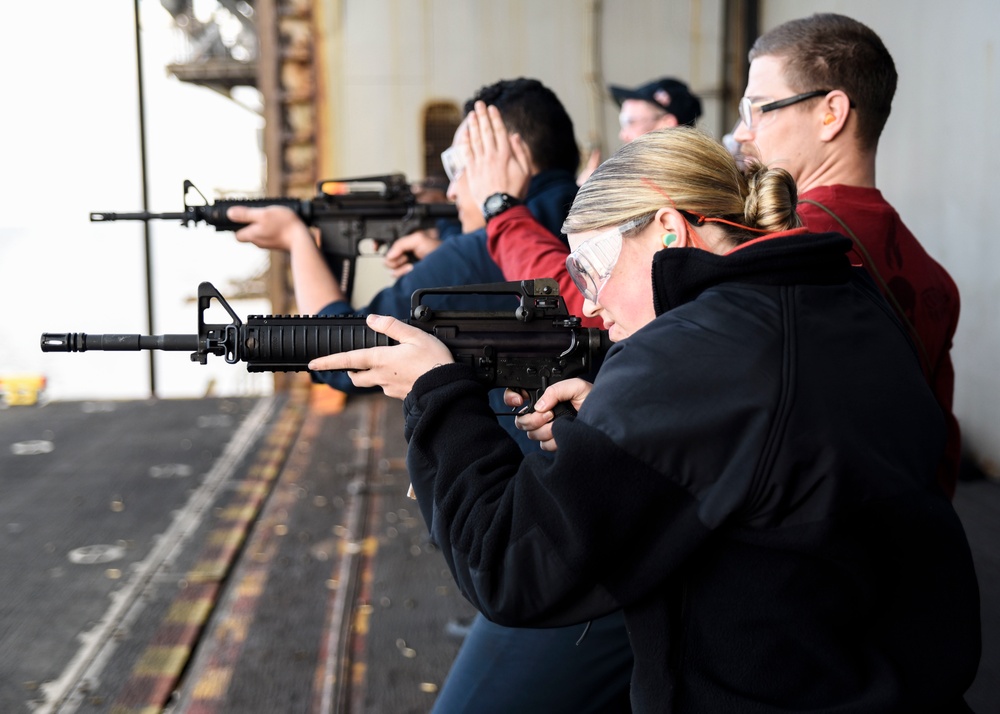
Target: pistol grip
<point x="562" y="409"/>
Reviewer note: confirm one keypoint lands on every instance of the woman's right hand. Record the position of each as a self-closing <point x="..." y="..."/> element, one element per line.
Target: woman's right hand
<point x="538" y="423"/>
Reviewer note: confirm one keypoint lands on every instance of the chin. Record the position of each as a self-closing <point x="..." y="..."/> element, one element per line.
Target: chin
<point x="471" y="222"/>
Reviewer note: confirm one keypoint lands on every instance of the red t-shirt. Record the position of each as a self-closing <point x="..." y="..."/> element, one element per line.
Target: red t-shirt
<point x="919" y="289"/>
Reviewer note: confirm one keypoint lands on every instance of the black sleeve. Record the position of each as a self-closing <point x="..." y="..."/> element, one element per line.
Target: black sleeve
<point x="535" y="541"/>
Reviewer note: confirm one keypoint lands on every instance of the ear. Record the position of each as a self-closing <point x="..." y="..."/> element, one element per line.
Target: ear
<point x="531" y="166"/>
<point x="669" y="221"/>
<point x="667" y="121"/>
<point x="833" y="112"/>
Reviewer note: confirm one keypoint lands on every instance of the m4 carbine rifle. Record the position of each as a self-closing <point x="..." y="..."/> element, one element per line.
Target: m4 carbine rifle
<point x="347" y="212"/>
<point x="534" y="344"/>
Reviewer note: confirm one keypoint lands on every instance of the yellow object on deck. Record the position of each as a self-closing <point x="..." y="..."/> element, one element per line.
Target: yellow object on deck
<point x="21" y="389"/>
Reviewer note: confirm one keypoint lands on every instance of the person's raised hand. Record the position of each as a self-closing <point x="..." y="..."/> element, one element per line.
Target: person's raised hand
<point x="394" y="368"/>
<point x="498" y="162"/>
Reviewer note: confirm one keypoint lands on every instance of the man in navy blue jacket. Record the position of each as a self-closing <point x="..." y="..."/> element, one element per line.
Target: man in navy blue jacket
<point x="532" y="111"/>
<point x="499" y="669"/>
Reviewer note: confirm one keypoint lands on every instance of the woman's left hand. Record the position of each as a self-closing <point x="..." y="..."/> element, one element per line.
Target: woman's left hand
<point x="394" y="368"/>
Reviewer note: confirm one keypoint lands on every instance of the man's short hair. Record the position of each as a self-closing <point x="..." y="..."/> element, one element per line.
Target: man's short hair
<point x="828" y="51"/>
<point x="532" y="110"/>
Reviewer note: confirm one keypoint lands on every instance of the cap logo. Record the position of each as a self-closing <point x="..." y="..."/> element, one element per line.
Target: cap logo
<point x="662" y="97"/>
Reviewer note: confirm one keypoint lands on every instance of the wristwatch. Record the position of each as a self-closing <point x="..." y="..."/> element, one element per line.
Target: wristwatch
<point x="496" y="204"/>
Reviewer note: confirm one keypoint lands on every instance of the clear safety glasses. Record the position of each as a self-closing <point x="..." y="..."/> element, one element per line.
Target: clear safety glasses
<point x="453" y="160"/>
<point x="591" y="264"/>
<point x="752" y="112"/>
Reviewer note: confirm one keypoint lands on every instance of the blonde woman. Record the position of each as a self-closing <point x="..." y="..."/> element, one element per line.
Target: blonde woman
<point x="750" y="477"/>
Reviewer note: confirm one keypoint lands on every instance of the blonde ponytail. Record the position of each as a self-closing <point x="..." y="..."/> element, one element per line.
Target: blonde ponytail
<point x="771" y="200"/>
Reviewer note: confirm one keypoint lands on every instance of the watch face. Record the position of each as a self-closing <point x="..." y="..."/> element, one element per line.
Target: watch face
<point x="495" y="202"/>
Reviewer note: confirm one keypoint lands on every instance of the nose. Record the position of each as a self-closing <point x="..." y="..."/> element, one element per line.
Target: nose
<point x="741" y="133"/>
<point x="590" y="308"/>
<point x="451" y="194"/>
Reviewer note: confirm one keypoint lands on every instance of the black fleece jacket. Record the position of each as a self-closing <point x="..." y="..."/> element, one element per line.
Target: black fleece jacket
<point x="751" y="480"/>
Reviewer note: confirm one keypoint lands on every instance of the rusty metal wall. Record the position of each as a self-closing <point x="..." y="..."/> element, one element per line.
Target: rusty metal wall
<point x="286" y="78"/>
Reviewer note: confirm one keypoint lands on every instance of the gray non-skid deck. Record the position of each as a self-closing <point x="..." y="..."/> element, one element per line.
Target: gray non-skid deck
<point x="250" y="555"/>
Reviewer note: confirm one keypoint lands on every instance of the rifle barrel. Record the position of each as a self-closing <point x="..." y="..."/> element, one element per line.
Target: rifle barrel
<point x="139" y="216"/>
<point x="81" y="342"/>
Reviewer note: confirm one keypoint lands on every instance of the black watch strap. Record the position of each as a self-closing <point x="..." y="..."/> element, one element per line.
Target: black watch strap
<point x="497" y="203"/>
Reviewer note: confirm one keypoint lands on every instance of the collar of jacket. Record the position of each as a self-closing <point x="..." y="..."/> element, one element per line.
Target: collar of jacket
<point x="681" y="274"/>
<point x="550" y="194"/>
<point x="545" y="179"/>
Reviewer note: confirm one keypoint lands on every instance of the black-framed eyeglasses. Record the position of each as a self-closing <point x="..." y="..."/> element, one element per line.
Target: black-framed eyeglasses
<point x="748" y="106"/>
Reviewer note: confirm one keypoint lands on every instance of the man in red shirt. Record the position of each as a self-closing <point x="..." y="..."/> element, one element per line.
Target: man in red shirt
<point x="819" y="93"/>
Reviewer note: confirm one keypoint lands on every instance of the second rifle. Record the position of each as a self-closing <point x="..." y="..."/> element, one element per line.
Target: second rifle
<point x="350" y="214"/>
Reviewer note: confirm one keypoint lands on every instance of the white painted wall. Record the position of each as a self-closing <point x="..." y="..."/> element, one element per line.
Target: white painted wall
<point x="388" y="58"/>
<point x="936" y="165"/>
